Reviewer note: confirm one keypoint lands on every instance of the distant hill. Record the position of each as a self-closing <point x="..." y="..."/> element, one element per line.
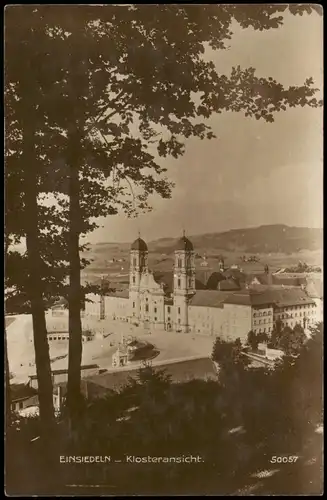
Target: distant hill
<point x="264" y="239"/>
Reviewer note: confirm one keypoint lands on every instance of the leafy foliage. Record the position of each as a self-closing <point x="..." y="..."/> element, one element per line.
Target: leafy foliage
<point x="235" y="433"/>
<point x="228" y="354"/>
<point x="253" y="340"/>
<point x="288" y="339"/>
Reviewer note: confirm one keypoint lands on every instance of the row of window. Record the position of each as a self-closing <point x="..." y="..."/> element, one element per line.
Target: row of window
<point x="292" y="308"/>
<point x="268" y="313"/>
<point x="265" y="313"/>
<point x="285" y="316"/>
<point x="168" y="319"/>
<point x="155" y="309"/>
<point x="263" y="330"/>
<point x="258" y="322"/>
<point x="282" y="316"/>
<point x="289" y="323"/>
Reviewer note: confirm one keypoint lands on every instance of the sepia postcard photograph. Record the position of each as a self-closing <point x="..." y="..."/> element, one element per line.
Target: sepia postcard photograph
<point x="163" y="244"/>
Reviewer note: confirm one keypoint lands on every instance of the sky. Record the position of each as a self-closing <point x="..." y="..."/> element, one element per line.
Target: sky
<point x="254" y="173"/>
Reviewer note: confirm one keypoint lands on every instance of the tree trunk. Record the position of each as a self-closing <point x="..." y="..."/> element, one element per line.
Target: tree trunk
<point x="74" y="397"/>
<point x="34" y="263"/>
<point x="7" y="382"/>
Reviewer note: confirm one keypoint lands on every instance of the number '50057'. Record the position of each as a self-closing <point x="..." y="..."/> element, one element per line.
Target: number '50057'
<point x="283" y="460"/>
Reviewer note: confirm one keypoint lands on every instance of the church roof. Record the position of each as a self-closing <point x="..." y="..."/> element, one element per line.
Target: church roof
<point x="121" y="294"/>
<point x="184" y="244"/>
<point x="264" y="279"/>
<point x="214" y="279"/>
<point x="209" y="298"/>
<point x="289" y="280"/>
<point x="235" y="274"/>
<point x="21" y="391"/>
<point x="167" y="278"/>
<point x="270" y="296"/>
<point x="139" y="245"/>
<point x="228" y="285"/>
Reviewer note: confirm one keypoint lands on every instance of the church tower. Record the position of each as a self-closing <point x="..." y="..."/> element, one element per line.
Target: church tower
<point x="221" y="264"/>
<point x="102" y="300"/>
<point x="138" y="266"/>
<point x="269" y="275"/>
<point x="184" y="282"/>
<point x="206" y="271"/>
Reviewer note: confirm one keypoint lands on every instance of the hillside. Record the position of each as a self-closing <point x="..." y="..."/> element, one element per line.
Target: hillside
<point x="263" y="239"/>
<point x="277" y="245"/>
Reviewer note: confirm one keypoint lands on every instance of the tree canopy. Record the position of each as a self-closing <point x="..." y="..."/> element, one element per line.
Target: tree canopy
<point x="95" y="98"/>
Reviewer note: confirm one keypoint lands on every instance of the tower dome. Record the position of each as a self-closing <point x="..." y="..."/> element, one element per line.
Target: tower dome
<point x="139" y="245"/>
<point x="184" y="244"/>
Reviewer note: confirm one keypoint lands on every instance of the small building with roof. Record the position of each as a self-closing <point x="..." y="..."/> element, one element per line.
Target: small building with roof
<point x="121" y="356"/>
<point x="22" y="396"/>
<point x="61" y="375"/>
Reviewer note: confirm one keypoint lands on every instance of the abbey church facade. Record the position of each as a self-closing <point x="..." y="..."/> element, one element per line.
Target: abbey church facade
<point x="147" y="301"/>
